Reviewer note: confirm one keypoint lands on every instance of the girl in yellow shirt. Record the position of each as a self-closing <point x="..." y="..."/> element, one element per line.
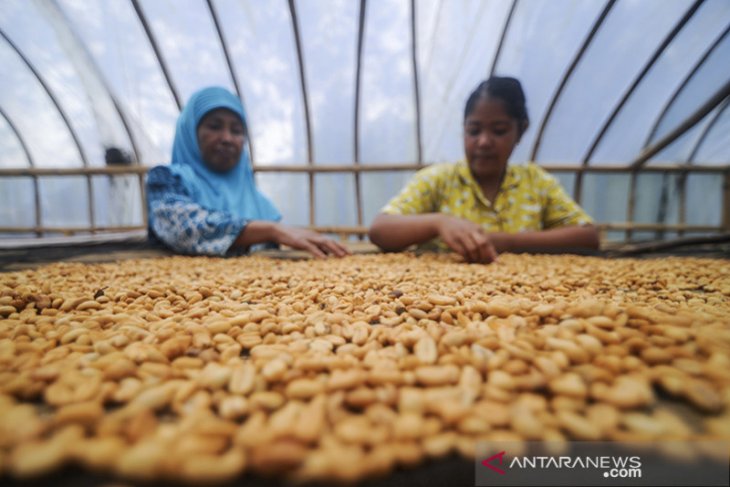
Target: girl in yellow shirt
<point x="482" y="206"/>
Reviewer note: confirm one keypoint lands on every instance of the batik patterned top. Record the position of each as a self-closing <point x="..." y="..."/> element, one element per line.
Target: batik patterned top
<point x="184" y="225"/>
<point x="528" y="199"/>
<point x="193" y="209"/>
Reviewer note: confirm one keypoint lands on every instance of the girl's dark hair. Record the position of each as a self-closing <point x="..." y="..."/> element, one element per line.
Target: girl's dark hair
<point x="504" y="88"/>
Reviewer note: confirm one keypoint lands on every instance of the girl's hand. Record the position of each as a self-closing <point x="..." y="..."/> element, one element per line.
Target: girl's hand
<point x="467" y="239"/>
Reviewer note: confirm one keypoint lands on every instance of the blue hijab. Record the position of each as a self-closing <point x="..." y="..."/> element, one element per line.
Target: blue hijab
<point x="234" y="191"/>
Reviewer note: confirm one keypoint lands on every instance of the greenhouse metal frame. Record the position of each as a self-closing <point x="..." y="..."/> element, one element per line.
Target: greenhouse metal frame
<point x="711" y="109"/>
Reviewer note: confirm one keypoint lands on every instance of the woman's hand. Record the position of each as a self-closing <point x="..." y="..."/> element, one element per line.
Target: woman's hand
<point x="313" y="242"/>
<point x="467" y="239"/>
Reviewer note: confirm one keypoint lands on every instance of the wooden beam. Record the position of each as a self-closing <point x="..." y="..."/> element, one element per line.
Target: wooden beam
<point x="137" y="170"/>
<point x="361" y="230"/>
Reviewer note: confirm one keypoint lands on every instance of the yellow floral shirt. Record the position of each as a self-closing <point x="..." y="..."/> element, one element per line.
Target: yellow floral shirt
<point x="529" y="199"/>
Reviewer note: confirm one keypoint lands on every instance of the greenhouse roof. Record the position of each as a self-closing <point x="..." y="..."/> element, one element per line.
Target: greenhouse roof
<point x="609" y="84"/>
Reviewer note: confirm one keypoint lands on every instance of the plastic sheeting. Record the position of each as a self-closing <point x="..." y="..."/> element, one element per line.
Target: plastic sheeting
<point x="95" y="64"/>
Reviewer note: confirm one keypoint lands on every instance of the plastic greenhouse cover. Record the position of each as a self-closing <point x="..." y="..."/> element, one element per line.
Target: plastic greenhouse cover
<point x="628" y="133"/>
<point x="715" y="148"/>
<point x="704" y="82"/>
<point x="627" y="37"/>
<point x="541" y="42"/>
<point x="456" y="47"/>
<point x="29" y="107"/>
<point x="98" y="80"/>
<point x="329" y="42"/>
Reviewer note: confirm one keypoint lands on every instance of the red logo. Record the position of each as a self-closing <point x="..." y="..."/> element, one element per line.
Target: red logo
<point x="501" y="460"/>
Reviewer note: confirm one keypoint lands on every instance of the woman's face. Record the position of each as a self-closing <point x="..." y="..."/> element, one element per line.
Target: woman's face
<point x="221" y="136"/>
<point x="490" y="134"/>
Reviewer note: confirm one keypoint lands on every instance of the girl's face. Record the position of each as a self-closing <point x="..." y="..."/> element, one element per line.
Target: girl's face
<point x="221" y="136"/>
<point x="490" y="135"/>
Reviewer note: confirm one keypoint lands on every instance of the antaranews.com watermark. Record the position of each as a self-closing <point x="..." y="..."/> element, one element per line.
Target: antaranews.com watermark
<point x="668" y="463"/>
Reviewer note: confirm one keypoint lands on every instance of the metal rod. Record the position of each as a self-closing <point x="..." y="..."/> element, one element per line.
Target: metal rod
<point x="416" y="90"/>
<point x="50" y="94"/>
<point x="358" y="67"/>
<point x="31" y="162"/>
<point x="624" y="99"/>
<point x="687" y="124"/>
<point x="631" y="203"/>
<point x="647" y="67"/>
<point x="231" y="70"/>
<point x="143" y="196"/>
<point x="578" y="187"/>
<point x="356" y="121"/>
<point x="682" y="189"/>
<point x="707" y="130"/>
<point x="661" y="216"/>
<point x="81" y="47"/>
<point x="305" y="99"/>
<point x="92" y="213"/>
<point x="311" y="198"/>
<point x="224" y="46"/>
<point x="564" y="81"/>
<point x="141" y="170"/>
<point x="507" y="23"/>
<point x="158" y="53"/>
<point x="38" y="214"/>
<point x="690" y="75"/>
<point x="21" y="141"/>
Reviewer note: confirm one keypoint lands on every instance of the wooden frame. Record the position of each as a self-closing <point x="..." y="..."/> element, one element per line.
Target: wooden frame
<point x="359" y="230"/>
<point x="720" y="100"/>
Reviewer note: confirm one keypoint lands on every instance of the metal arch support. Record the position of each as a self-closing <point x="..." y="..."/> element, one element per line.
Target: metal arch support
<point x="305" y="99"/>
<point x="707" y="130"/>
<point x="564" y="81"/>
<point x="81" y="47"/>
<point x="21" y="141"/>
<point x="158" y="53"/>
<point x="71" y="131"/>
<point x="647" y="67"/>
<point x="688" y="123"/>
<point x="31" y="163"/>
<point x="224" y="46"/>
<point x="231" y="70"/>
<point x="356" y="128"/>
<point x="684" y="83"/>
<point x="53" y="98"/>
<point x="416" y="90"/>
<point x="358" y="69"/>
<point x="303" y="81"/>
<point x="507" y="23"/>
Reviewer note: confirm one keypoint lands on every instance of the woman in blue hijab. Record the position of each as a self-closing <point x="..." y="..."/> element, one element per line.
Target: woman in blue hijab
<point x="206" y="200"/>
